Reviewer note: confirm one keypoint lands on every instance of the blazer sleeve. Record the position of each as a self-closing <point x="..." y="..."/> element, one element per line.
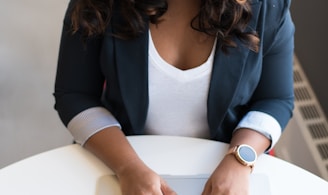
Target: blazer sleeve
<point x="79" y="80"/>
<point x="274" y="94"/>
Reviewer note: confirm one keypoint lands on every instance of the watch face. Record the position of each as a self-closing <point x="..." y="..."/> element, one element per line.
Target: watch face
<point x="247" y="153"/>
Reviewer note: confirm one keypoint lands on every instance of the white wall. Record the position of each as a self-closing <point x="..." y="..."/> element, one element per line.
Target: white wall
<point x="29" y="40"/>
<point x="311" y="40"/>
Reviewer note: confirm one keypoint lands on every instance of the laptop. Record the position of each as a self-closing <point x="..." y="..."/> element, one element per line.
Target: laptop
<point x="185" y="184"/>
<point x="194" y="184"/>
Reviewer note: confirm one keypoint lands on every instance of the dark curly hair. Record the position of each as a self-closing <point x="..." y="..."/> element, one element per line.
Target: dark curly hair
<point x="222" y="18"/>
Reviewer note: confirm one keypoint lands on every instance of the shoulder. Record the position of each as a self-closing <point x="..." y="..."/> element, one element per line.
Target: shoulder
<point x="274" y="9"/>
<point x="275" y="25"/>
<point x="273" y="3"/>
<point x="270" y="14"/>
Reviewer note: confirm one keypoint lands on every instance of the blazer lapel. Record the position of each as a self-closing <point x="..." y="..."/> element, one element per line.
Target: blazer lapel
<point x="226" y="75"/>
<point x="132" y="71"/>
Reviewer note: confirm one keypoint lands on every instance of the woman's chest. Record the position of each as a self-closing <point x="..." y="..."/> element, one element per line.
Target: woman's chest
<point x="184" y="49"/>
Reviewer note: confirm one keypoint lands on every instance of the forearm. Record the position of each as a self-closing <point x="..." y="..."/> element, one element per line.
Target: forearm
<point x="232" y="177"/>
<point x="112" y="147"/>
<point x="259" y="142"/>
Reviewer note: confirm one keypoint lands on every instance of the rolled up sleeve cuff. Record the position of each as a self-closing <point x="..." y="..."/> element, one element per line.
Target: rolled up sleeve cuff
<point x="89" y="122"/>
<point x="262" y="123"/>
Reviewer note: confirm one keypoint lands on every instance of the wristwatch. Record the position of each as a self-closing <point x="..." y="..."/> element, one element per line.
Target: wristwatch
<point x="245" y="155"/>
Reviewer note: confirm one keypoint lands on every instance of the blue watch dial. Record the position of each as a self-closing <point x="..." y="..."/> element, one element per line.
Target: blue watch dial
<point x="247" y="153"/>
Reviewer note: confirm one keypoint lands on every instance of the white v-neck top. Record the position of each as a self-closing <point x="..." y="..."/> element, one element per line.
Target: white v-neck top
<point x="177" y="98"/>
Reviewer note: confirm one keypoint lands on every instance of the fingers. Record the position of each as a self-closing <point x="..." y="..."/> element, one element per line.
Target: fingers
<point x="166" y="190"/>
<point x="207" y="189"/>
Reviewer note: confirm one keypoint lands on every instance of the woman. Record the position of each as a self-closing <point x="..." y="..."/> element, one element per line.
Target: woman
<point x="215" y="69"/>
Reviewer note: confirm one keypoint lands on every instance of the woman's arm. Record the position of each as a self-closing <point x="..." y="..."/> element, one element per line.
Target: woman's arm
<point x="252" y="138"/>
<point x="78" y="88"/>
<point x="231" y="177"/>
<point x="273" y="96"/>
<point x="112" y="147"/>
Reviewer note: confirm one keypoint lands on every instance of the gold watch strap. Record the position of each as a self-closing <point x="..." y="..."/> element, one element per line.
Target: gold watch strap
<point x="233" y="151"/>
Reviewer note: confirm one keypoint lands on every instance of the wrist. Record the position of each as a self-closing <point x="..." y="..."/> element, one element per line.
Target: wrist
<point x="237" y="166"/>
<point x="129" y="167"/>
<point x="244" y="154"/>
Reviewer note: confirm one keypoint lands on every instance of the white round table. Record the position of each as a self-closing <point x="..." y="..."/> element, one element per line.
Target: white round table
<point x="71" y="170"/>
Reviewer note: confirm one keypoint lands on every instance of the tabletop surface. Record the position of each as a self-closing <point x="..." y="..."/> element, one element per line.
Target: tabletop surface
<point x="73" y="170"/>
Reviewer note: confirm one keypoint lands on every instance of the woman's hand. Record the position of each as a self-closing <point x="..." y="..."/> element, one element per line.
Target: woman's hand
<point x="229" y="178"/>
<point x="138" y="179"/>
<point x="135" y="178"/>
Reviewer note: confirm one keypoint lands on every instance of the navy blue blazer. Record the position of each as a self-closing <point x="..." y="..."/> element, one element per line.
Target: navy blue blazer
<point x="241" y="81"/>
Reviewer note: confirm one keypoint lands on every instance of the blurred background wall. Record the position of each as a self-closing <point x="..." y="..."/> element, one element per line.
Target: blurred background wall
<point x="311" y="42"/>
<point x="29" y="41"/>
